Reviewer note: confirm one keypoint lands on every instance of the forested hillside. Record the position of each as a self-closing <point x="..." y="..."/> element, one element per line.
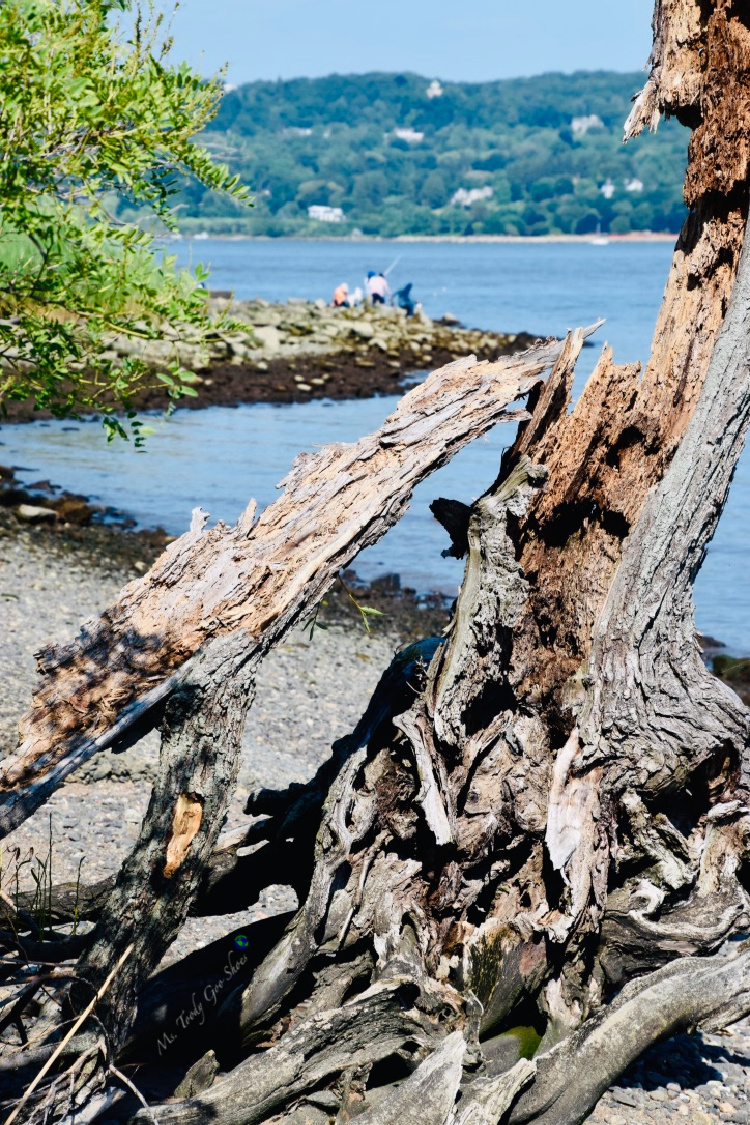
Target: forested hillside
<point x="393" y="154"/>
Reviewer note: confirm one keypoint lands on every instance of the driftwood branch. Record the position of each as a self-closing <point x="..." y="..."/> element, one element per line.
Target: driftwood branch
<point x="690" y="993"/>
<point x="649" y="685"/>
<point x="371" y="1027"/>
<point x="259" y="576"/>
<point x="158" y="881"/>
<point x="285" y="837"/>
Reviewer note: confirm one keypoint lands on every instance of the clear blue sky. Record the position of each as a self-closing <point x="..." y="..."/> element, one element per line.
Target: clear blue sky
<point x="471" y="40"/>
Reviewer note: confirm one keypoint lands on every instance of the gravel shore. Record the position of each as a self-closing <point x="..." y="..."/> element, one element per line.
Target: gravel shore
<point x="48" y="585"/>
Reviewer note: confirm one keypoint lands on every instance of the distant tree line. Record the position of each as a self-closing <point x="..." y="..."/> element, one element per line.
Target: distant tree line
<point x="393" y="154"/>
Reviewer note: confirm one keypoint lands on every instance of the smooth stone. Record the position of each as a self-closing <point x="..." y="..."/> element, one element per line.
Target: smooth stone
<point x="307" y="1115"/>
<point x="625" y="1097"/>
<point x="326" y="1099"/>
<point x="269" y="337"/>
<point x="29" y="513"/>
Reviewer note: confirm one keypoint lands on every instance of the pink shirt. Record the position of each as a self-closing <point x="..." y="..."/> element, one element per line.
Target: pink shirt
<point x="377" y="286"/>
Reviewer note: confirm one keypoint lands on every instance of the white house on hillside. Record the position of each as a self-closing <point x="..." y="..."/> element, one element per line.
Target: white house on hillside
<point x="326" y="214"/>
<point x="582" y="125"/>
<point x="464" y="197"/>
<point x="410" y="135"/>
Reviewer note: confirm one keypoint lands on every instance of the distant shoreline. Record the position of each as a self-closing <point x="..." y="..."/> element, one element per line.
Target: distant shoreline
<point x="592" y="239"/>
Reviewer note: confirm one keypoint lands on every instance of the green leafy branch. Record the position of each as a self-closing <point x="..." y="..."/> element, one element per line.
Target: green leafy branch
<point x="90" y="116"/>
<point x="366" y="612"/>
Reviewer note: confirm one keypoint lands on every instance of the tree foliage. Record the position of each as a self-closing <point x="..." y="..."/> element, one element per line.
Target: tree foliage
<point x="544" y="146"/>
<point x="91" y="116"/>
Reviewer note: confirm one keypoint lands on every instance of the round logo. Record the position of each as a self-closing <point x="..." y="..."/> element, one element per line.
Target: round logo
<point x="241" y="941"/>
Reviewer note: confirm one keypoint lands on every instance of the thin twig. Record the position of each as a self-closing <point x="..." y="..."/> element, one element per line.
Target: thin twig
<point x="133" y="1089"/>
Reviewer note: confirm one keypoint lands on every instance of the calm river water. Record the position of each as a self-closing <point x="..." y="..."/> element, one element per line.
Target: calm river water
<point x="220" y="457"/>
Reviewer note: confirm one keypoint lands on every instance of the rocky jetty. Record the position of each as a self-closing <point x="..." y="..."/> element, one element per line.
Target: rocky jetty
<point x="300" y="350"/>
<point x="303" y="349"/>
<point x="306" y="330"/>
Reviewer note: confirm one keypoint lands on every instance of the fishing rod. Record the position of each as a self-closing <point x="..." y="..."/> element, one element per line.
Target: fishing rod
<point x="391" y="267"/>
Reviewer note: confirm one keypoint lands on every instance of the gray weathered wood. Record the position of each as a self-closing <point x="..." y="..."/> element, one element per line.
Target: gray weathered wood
<point x="198" y="764"/>
<point x="689" y="993"/>
<point x="261" y="576"/>
<point x="368" y="1028"/>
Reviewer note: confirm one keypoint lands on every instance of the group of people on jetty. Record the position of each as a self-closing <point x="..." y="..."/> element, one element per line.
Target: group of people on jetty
<point x="377" y="292"/>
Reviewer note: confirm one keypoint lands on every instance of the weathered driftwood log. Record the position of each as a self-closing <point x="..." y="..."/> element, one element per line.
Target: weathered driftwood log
<point x="259" y="576"/>
<point x="544" y="815"/>
<point x="236" y="871"/>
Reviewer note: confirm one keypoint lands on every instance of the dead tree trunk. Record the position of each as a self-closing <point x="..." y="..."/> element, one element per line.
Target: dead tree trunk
<point x="542" y="819"/>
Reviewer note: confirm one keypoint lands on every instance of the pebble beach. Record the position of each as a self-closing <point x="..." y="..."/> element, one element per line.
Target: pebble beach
<point x="50" y="583"/>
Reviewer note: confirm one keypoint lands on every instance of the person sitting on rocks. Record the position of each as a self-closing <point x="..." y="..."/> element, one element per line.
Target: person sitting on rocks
<point x="340" y="296"/>
<point x="377" y="288"/>
<point x="403" y="299"/>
